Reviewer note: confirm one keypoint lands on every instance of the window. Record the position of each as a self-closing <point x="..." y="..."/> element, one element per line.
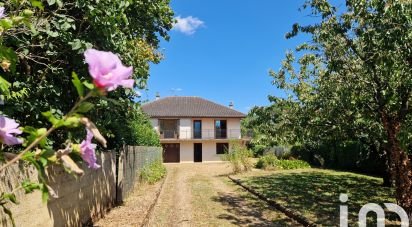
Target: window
<point x="222" y="148"/>
<point x="220" y="129"/>
<point x="197" y="129"/>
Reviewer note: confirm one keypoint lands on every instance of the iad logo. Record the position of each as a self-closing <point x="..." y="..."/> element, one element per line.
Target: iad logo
<point x="372" y="207"/>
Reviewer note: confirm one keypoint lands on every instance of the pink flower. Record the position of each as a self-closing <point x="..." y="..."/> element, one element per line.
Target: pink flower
<point x="8" y="130"/>
<point x="107" y="70"/>
<point x="2" y="13"/>
<point x="87" y="150"/>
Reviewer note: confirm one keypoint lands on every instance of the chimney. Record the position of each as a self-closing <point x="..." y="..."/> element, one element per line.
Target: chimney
<point x="157" y="96"/>
<point x="231" y="105"/>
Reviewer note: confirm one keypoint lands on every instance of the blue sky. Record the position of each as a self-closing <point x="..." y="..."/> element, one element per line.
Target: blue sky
<point x="228" y="55"/>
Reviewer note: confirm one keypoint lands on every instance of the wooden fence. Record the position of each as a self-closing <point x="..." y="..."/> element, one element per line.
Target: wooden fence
<point x="80" y="200"/>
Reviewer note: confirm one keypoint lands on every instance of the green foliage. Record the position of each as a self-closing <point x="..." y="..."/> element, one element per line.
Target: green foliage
<point x="153" y="172"/>
<point x="45" y="46"/>
<point x="270" y="162"/>
<point x="138" y="131"/>
<point x="349" y="155"/>
<point x="267" y="162"/>
<point x="291" y="164"/>
<point x="239" y="157"/>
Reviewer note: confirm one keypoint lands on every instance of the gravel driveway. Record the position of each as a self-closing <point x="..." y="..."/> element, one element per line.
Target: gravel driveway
<point x="200" y="194"/>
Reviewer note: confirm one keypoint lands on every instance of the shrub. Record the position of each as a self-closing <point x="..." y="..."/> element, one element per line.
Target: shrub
<point x="270" y="162"/>
<point x="267" y="162"/>
<point x="153" y="172"/>
<point x="291" y="164"/>
<point x="239" y="157"/>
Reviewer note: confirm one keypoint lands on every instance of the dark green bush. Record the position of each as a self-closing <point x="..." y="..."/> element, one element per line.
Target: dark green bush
<point x="153" y="172"/>
<point x="344" y="155"/>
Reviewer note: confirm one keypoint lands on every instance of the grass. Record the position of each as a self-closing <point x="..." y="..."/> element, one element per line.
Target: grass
<point x="315" y="193"/>
<point x="153" y="172"/>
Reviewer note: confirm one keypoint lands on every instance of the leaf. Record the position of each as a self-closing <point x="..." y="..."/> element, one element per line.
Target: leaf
<point x="10" y="196"/>
<point x="88" y="85"/>
<point x="72" y="122"/>
<point x="44" y="193"/>
<point x="85" y="107"/>
<point x="29" y="187"/>
<point x="7" y="53"/>
<point x="77" y="84"/>
<point x="37" y="4"/>
<point x="4" y="86"/>
<point x="51" y="118"/>
<point x="76" y="44"/>
<point x="6" y="23"/>
<point x="51" y="2"/>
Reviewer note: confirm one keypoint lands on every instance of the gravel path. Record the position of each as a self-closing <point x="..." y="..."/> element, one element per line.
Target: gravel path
<point x="134" y="209"/>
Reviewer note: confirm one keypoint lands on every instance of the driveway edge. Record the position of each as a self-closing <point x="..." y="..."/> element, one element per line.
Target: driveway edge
<point x="151" y="207"/>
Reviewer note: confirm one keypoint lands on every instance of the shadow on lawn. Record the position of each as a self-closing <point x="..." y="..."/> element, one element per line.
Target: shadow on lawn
<point x="315" y="194"/>
<point x="245" y="210"/>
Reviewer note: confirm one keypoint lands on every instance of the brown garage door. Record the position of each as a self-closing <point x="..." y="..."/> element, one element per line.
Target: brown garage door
<point x="171" y="152"/>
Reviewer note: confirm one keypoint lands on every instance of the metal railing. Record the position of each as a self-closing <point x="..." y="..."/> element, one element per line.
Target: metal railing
<point x="201" y="134"/>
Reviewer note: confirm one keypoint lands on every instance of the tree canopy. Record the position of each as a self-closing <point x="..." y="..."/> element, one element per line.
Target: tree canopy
<point x="48" y="47"/>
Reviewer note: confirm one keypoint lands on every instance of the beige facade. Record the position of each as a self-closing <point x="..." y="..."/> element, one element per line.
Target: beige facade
<point x="208" y="136"/>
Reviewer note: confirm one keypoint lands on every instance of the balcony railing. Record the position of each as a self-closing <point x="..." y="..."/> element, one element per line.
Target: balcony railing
<point x="202" y="134"/>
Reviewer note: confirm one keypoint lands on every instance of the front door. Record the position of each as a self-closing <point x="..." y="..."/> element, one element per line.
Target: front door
<point x="197" y="152"/>
<point x="171" y="152"/>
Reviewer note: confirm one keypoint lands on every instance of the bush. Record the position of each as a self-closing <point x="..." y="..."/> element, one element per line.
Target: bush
<point x="267" y="162"/>
<point x="239" y="157"/>
<point x="153" y="172"/>
<point x="270" y="162"/>
<point x="291" y="164"/>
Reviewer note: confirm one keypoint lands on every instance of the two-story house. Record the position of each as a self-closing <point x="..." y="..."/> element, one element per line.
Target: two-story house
<point x="193" y="129"/>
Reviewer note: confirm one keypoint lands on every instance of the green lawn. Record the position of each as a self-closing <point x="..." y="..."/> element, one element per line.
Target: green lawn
<point x="315" y="193"/>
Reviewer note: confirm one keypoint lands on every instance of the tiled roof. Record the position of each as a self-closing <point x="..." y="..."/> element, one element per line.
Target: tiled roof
<point x="181" y="106"/>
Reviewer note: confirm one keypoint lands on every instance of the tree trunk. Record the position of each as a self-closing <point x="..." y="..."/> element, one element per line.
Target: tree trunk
<point x="400" y="166"/>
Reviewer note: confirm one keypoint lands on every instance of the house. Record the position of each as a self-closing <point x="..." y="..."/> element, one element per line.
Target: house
<point x="193" y="129"/>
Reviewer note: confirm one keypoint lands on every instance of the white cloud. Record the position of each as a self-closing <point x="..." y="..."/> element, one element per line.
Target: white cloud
<point x="187" y="25"/>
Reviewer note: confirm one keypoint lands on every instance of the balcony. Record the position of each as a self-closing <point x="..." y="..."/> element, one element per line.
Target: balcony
<point x="203" y="134"/>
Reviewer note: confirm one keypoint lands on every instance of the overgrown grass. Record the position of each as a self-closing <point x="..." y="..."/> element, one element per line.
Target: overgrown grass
<point x="315" y="193"/>
<point x="153" y="172"/>
<point x="271" y="162"/>
<point x="239" y="157"/>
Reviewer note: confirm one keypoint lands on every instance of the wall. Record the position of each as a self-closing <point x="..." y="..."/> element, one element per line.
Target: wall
<point x="233" y="126"/>
<point x="79" y="199"/>
<point x="186" y="151"/>
<point x="209" y="152"/>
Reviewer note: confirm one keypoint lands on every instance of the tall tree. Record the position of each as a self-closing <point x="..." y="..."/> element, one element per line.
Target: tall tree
<point x="355" y="76"/>
<point x="51" y="48"/>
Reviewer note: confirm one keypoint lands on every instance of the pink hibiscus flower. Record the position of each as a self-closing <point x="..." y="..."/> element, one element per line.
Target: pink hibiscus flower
<point x="87" y="150"/>
<point x="107" y="70"/>
<point x="8" y="131"/>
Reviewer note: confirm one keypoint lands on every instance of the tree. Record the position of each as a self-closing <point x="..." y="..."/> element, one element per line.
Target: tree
<point x="50" y="47"/>
<point x="355" y="78"/>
